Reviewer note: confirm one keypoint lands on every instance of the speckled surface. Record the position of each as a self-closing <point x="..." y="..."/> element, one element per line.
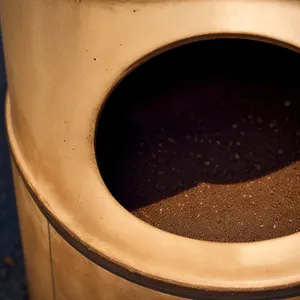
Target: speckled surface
<point x="209" y="149"/>
<point x="12" y="275"/>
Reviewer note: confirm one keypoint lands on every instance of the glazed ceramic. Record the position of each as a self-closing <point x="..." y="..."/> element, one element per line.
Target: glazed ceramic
<point x="63" y="58"/>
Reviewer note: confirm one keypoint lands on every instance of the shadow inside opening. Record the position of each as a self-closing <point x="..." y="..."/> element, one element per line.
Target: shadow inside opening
<point x="203" y="141"/>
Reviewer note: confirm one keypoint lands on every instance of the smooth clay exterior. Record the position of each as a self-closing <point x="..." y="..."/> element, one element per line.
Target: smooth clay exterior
<point x="63" y="58"/>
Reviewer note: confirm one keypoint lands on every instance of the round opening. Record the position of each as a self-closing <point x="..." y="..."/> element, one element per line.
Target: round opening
<point x="203" y="141"/>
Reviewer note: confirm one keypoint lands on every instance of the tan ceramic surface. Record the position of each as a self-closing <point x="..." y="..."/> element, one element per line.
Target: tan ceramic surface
<point x="63" y="57"/>
<point x="74" y="276"/>
<point x="35" y="240"/>
<point x="89" y="281"/>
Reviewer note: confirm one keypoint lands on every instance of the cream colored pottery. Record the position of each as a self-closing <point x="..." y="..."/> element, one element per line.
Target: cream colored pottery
<point x="63" y="57"/>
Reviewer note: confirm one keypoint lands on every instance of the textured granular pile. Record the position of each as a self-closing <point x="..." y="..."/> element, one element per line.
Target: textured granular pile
<point x="208" y="149"/>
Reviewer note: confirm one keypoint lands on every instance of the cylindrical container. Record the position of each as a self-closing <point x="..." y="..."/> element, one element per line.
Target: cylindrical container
<point x="63" y="57"/>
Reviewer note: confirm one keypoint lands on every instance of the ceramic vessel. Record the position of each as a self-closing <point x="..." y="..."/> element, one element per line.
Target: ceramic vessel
<point x="63" y="57"/>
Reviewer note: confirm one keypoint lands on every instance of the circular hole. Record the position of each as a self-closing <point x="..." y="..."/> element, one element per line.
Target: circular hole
<point x="203" y="141"/>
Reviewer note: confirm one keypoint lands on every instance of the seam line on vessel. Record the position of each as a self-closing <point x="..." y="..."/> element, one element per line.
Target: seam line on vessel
<point x="51" y="264"/>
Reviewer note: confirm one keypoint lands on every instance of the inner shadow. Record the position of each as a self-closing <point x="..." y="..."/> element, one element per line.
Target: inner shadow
<point x="203" y="141"/>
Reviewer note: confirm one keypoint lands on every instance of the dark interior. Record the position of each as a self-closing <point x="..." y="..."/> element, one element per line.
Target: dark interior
<point x="203" y="141"/>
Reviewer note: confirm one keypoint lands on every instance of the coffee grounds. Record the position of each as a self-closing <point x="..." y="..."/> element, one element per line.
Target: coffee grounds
<point x="208" y="149"/>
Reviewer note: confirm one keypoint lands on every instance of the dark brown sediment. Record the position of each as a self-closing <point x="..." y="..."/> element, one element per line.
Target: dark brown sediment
<point x="204" y="142"/>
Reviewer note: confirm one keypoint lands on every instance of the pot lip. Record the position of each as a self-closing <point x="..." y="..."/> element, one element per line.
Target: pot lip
<point x="259" y="258"/>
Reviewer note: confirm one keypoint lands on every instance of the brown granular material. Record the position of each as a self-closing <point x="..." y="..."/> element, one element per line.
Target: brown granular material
<point x="208" y="149"/>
